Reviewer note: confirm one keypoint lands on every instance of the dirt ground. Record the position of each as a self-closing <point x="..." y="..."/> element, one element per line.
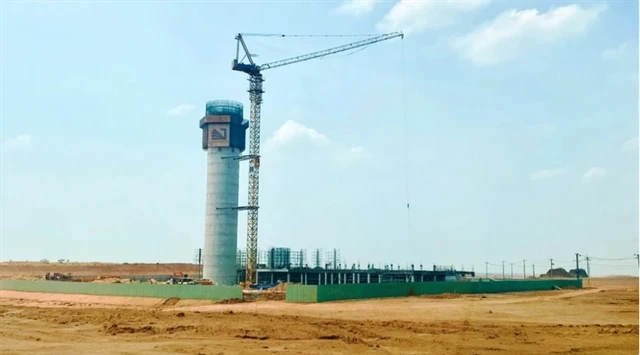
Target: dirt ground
<point x="600" y="319"/>
<point x="23" y="269"/>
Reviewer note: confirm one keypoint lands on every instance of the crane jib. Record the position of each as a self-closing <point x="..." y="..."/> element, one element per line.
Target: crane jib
<point x="253" y="68"/>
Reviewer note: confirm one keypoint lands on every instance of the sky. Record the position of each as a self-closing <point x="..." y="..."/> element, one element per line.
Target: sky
<point x="510" y="128"/>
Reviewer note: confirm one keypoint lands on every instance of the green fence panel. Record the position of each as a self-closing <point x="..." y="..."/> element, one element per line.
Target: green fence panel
<point x="202" y="292"/>
<point x="325" y="293"/>
<point x="302" y="293"/>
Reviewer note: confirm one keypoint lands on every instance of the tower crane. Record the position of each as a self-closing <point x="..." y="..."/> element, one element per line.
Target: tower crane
<point x="255" y="97"/>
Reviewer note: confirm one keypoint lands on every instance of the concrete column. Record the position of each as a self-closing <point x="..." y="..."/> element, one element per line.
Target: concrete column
<point x="271" y="278"/>
<point x="358" y="278"/>
<point x="353" y="279"/>
<point x="288" y="277"/>
<point x="368" y="278"/>
<point x="332" y="278"/>
<point x="379" y="278"/>
<point x="319" y="279"/>
<point x="421" y="278"/>
<point x="325" y="278"/>
<point x="306" y="281"/>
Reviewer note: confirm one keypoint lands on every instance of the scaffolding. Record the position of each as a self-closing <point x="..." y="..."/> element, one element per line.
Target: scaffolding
<point x="444" y="268"/>
<point x="299" y="259"/>
<point x="241" y="259"/>
<point x="197" y="261"/>
<point x="287" y="258"/>
<point x="279" y="258"/>
<point x="332" y="259"/>
<point x="316" y="259"/>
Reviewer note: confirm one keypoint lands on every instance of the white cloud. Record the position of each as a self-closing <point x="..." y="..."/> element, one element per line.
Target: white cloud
<point x="292" y="130"/>
<point x="20" y="141"/>
<point x="548" y="173"/>
<point x="617" y="52"/>
<point x="356" y="7"/>
<point x="594" y="173"/>
<point x="359" y="153"/>
<point x="630" y="145"/>
<point x="414" y="16"/>
<point x="180" y="110"/>
<point x="513" y="32"/>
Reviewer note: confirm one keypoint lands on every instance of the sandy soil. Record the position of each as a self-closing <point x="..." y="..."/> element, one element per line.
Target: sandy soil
<point x="21" y="269"/>
<point x="600" y="319"/>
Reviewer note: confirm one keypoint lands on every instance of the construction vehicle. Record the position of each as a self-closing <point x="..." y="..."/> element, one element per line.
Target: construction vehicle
<point x="57" y="276"/>
<point x="179" y="278"/>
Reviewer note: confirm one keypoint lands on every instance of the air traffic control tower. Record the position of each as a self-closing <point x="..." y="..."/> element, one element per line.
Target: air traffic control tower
<point x="223" y="137"/>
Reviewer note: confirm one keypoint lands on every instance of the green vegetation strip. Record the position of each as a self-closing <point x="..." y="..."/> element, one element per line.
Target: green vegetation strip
<point x="326" y="293"/>
<point x="198" y="292"/>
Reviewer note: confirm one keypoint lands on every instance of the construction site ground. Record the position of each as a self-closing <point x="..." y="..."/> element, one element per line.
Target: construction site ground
<point x="602" y="318"/>
<point x="31" y="270"/>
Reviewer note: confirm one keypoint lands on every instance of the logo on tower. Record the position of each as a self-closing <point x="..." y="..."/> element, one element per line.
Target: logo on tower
<point x="218" y="134"/>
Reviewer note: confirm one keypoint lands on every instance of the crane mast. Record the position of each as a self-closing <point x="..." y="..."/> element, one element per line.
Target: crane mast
<point x="255" y="97"/>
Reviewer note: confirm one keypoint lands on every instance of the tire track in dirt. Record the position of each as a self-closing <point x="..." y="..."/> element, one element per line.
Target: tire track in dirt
<point x="537" y="298"/>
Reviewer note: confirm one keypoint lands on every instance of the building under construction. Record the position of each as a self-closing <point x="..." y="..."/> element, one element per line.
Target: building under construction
<point x="277" y="265"/>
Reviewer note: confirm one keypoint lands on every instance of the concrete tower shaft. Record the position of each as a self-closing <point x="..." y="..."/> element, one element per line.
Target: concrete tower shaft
<point x="223" y="137"/>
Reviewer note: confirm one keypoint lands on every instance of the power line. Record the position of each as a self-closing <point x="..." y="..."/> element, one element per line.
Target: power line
<point x="614" y="266"/>
<point x="615" y="259"/>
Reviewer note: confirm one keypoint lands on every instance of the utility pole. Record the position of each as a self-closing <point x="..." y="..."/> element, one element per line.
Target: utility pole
<point x="533" y="267"/>
<point x="588" y="267"/>
<point x="503" y="269"/>
<point x="512" y="270"/>
<point x="486" y="269"/>
<point x="588" y="270"/>
<point x="524" y="269"/>
<point x="577" y="267"/>
<point x="637" y="258"/>
<point x="551" y="270"/>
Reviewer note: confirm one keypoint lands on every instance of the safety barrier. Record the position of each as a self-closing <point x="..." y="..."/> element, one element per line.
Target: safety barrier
<point x="200" y="292"/>
<point x="326" y="293"/>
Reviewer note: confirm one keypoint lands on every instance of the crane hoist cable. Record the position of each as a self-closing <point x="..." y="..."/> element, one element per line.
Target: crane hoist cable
<point x="406" y="135"/>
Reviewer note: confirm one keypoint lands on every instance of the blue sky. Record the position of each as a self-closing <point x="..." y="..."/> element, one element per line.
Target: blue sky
<point x="521" y="122"/>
